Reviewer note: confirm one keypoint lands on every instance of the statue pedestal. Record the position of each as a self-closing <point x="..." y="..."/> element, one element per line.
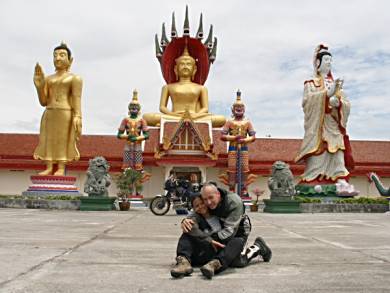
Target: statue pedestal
<point x="91" y="203"/>
<point x="52" y="186"/>
<point x="316" y="190"/>
<point x="326" y="192"/>
<point x="136" y="201"/>
<point x="282" y="205"/>
<point x="247" y="200"/>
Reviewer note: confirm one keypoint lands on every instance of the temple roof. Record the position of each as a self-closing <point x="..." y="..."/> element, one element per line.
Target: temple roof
<point x="16" y="153"/>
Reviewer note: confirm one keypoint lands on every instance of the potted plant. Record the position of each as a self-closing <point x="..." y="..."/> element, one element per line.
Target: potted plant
<point x="255" y="203"/>
<point x="128" y="183"/>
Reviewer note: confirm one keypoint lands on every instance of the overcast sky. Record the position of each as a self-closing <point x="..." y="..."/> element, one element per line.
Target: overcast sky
<point x="265" y="48"/>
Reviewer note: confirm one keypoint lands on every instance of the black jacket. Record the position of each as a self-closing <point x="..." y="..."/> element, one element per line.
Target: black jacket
<point x="231" y="212"/>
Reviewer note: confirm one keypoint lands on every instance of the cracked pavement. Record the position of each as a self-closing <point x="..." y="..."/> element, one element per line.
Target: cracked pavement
<point x="74" y="251"/>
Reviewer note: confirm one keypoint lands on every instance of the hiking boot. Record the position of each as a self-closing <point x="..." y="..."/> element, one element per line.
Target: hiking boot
<point x="259" y="248"/>
<point x="209" y="269"/>
<point x="265" y="251"/>
<point x="182" y="267"/>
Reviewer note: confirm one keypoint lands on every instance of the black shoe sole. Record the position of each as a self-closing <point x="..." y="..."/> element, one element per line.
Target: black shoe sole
<point x="268" y="255"/>
<point x="207" y="273"/>
<point x="181" y="275"/>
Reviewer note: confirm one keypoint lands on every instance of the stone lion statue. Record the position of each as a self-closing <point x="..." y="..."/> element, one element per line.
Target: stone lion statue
<point x="98" y="178"/>
<point x="281" y="182"/>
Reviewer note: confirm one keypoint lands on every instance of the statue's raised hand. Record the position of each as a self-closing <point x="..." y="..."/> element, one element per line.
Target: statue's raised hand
<point x="39" y="76"/>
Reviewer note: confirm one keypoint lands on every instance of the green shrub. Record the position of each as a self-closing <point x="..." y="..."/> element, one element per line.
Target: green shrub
<point x="128" y="182"/>
<point x="303" y="199"/>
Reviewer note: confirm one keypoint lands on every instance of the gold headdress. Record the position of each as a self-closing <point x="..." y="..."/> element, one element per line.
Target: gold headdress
<point x="238" y="99"/>
<point x="134" y="100"/>
<point x="185" y="54"/>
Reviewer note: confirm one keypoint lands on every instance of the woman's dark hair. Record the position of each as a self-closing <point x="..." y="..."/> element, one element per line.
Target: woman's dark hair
<point x="194" y="196"/>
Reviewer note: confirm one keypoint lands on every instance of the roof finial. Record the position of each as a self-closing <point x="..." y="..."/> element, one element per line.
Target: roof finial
<point x="164" y="40"/>
<point x="186" y="28"/>
<point x="173" y="27"/>
<point x="213" y="53"/>
<point x="209" y="40"/>
<point x="199" y="34"/>
<point x="158" y="49"/>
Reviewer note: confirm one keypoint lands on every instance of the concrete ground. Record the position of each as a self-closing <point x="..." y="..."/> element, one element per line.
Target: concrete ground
<point x="73" y="251"/>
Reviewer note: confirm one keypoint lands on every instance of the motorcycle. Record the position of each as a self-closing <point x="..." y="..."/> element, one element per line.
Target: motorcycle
<point x="177" y="194"/>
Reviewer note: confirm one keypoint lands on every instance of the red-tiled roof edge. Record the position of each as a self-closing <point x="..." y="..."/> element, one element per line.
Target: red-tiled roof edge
<point x="16" y="153"/>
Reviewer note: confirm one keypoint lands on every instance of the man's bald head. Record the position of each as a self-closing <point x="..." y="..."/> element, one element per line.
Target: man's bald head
<point x="210" y="195"/>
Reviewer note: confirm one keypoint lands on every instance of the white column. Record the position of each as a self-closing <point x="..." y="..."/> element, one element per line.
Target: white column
<point x="168" y="169"/>
<point x="203" y="173"/>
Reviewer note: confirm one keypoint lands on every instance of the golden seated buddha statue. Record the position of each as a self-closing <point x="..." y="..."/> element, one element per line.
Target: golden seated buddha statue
<point x="181" y="90"/>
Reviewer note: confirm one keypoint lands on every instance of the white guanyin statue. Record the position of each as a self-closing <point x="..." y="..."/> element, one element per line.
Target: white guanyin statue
<point x="325" y="148"/>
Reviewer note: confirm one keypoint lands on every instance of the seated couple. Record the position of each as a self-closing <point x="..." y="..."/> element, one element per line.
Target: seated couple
<point x="215" y="234"/>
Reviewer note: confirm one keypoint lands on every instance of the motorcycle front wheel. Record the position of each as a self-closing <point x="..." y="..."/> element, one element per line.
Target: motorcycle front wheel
<point x="160" y="205"/>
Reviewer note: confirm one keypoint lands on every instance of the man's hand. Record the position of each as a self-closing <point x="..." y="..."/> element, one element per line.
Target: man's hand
<point x="186" y="225"/>
<point x="217" y="245"/>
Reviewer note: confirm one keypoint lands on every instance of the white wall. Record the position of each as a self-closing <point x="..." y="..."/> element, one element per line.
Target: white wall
<point x="15" y="182"/>
<point x="155" y="185"/>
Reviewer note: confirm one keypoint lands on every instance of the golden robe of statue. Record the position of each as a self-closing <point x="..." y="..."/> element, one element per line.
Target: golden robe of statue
<point x="60" y="126"/>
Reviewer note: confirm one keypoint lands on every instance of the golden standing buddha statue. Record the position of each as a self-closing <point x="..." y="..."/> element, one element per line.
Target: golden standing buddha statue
<point x="60" y="126"/>
<point x="185" y="87"/>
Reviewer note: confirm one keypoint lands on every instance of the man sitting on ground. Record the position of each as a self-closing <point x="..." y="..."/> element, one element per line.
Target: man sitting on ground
<point x="230" y="240"/>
